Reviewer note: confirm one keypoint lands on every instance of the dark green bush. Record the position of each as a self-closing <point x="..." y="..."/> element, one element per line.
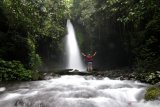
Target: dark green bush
<point x="13" y="70"/>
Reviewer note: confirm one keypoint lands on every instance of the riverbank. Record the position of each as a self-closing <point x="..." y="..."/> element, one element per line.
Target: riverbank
<point x="122" y="74"/>
<point x="125" y="74"/>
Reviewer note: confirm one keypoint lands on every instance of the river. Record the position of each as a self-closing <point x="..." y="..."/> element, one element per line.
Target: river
<point x="75" y="91"/>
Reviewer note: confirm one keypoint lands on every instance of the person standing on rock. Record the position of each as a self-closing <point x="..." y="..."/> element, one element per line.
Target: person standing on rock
<point x="89" y="59"/>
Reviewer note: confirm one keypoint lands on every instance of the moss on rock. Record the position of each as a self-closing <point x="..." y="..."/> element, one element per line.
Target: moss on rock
<point x="152" y="93"/>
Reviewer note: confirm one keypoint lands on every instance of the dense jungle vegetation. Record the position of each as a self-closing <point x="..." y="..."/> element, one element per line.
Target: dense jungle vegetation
<point x="124" y="33"/>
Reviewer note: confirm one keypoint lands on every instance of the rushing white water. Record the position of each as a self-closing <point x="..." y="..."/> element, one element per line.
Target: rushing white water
<point x="73" y="52"/>
<point x="76" y="91"/>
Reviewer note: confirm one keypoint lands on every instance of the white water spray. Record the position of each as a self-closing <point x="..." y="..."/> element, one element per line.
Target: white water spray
<point x="76" y="91"/>
<point x="74" y="60"/>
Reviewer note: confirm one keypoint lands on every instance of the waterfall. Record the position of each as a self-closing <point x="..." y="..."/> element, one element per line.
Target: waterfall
<point x="74" y="60"/>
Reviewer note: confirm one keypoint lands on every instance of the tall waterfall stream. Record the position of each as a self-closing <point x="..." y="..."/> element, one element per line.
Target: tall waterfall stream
<point x="74" y="60"/>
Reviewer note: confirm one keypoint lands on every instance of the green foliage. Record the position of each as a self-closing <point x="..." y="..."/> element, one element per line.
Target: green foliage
<point x="37" y="76"/>
<point x="127" y="27"/>
<point x="39" y="18"/>
<point x="26" y="26"/>
<point x="13" y="70"/>
<point x="152" y="93"/>
<point x="20" y="48"/>
<point x="124" y="32"/>
<point x="35" y="60"/>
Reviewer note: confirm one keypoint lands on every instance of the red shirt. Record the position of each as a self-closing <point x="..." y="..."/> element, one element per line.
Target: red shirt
<point x="89" y="58"/>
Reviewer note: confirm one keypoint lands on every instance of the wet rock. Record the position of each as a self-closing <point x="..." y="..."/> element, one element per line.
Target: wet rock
<point x="19" y="103"/>
<point x="157" y="84"/>
<point x="2" y="89"/>
<point x="158" y="72"/>
<point x="22" y="103"/>
<point x="48" y="77"/>
<point x="40" y="104"/>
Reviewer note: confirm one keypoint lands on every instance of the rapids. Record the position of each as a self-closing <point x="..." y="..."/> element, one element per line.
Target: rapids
<point x="75" y="91"/>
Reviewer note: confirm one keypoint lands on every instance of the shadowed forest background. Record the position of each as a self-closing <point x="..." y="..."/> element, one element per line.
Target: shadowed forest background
<point x="124" y="33"/>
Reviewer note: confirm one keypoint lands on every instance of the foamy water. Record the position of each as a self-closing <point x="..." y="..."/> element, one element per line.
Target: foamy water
<point x="76" y="91"/>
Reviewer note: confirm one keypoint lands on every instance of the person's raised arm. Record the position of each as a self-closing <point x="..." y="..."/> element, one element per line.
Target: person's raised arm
<point x="83" y="54"/>
<point x="94" y="53"/>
